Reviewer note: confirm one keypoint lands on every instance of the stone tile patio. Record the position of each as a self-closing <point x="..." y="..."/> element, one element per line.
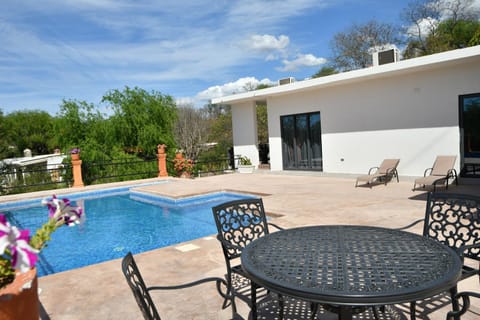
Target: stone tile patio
<point x="100" y="291"/>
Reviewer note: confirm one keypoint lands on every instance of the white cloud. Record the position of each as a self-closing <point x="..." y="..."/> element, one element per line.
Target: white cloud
<point x="241" y="85"/>
<point x="268" y="45"/>
<point x="302" y="60"/>
<point x="267" y="42"/>
<point x="80" y="48"/>
<point x="185" y="101"/>
<point x="423" y="27"/>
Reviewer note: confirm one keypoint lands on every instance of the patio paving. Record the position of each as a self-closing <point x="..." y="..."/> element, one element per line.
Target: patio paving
<point x="295" y="199"/>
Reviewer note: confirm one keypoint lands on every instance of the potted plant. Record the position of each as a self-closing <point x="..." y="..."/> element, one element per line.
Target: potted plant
<point x="75" y="153"/>
<point x="183" y="167"/>
<point x="245" y="165"/>
<point x="18" y="255"/>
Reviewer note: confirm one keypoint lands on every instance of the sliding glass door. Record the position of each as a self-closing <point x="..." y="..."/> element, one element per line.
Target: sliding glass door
<point x="470" y="134"/>
<point x="301" y="141"/>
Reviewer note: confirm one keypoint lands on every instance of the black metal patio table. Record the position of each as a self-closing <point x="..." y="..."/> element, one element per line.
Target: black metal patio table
<point x="348" y="266"/>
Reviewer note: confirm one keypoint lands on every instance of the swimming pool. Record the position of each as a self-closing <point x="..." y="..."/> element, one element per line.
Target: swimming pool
<point x="118" y="222"/>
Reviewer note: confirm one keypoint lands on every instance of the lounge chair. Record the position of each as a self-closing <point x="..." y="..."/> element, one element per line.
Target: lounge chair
<point x="441" y="172"/>
<point x="384" y="173"/>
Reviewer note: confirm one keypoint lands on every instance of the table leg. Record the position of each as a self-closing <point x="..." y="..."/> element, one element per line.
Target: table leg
<point x="345" y="313"/>
<point x="253" y="295"/>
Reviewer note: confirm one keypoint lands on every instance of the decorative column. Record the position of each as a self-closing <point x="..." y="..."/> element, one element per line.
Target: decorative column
<point x="77" y="170"/>
<point x="162" y="161"/>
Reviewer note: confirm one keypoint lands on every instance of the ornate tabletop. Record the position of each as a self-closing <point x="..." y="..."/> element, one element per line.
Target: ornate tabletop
<point x="351" y="265"/>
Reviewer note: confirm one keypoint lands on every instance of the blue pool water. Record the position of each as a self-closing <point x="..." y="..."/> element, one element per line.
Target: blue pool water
<point x="118" y="223"/>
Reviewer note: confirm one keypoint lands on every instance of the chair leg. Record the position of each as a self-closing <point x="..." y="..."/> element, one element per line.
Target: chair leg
<point x="230" y="295"/>
<point x="413" y="308"/>
<point x="314" y="309"/>
<point x="253" y="295"/>
<point x="455" y="305"/>
<point x="281" y="305"/>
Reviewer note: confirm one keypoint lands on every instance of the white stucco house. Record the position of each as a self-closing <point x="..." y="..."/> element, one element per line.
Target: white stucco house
<point x="21" y="166"/>
<point x="413" y="110"/>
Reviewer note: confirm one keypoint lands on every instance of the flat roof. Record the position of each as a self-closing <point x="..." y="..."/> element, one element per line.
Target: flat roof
<point x="386" y="70"/>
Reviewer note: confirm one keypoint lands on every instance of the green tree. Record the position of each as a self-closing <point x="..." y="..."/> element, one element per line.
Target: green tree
<point x="220" y="118"/>
<point x="75" y="123"/>
<point x="29" y="130"/>
<point x="451" y="34"/>
<point x="4" y="143"/>
<point x="325" y="71"/>
<point x="262" y="124"/>
<point x="436" y="26"/>
<point x="142" y="119"/>
<point x="475" y="40"/>
<point x="352" y="48"/>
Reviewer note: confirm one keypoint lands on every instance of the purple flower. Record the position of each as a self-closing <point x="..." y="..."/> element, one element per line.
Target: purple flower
<point x="64" y="212"/>
<point x="16" y="241"/>
<point x="75" y="151"/>
<point x="19" y="251"/>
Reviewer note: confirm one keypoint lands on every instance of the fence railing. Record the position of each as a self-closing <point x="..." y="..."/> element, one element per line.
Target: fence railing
<point x="15" y="180"/>
<point x="20" y="180"/>
<point x="213" y="167"/>
<point x="119" y="170"/>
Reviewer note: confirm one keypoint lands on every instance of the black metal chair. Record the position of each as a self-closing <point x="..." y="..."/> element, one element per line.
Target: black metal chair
<point x="465" y="296"/>
<point x="240" y="222"/>
<point x="454" y="220"/>
<point x="142" y="293"/>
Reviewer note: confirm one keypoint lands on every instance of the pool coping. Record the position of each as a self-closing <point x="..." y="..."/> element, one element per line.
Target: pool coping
<point x="74" y="195"/>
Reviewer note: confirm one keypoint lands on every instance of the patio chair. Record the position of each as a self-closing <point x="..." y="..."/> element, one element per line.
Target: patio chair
<point x="465" y="296"/>
<point x="142" y="293"/>
<point x="384" y="173"/>
<point x="454" y="220"/>
<point x="442" y="170"/>
<point x="240" y="222"/>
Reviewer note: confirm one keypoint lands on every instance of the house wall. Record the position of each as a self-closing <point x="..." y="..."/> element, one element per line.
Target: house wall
<point x="244" y="128"/>
<point x="411" y="116"/>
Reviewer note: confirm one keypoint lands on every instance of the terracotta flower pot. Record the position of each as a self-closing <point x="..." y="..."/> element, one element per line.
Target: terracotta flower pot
<point x="19" y="299"/>
<point x="75" y="156"/>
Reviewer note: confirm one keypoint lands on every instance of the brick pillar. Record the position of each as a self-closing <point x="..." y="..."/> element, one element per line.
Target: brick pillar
<point x="162" y="161"/>
<point x="77" y="170"/>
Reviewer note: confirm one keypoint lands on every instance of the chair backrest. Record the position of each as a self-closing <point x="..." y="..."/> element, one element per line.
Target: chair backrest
<point x="442" y="165"/>
<point x="139" y="289"/>
<point x="454" y="220"/>
<point x="388" y="164"/>
<point x="239" y="222"/>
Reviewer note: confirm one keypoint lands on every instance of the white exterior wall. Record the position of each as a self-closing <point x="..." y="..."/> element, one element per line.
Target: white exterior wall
<point x="411" y="116"/>
<point x="244" y="129"/>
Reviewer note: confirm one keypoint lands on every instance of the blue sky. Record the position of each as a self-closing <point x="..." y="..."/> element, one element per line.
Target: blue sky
<point x="192" y="50"/>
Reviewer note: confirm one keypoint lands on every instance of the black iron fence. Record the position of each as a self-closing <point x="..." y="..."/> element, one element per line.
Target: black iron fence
<point x="15" y="180"/>
<point x="119" y="170"/>
<point x="20" y="180"/>
<point x="214" y="166"/>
